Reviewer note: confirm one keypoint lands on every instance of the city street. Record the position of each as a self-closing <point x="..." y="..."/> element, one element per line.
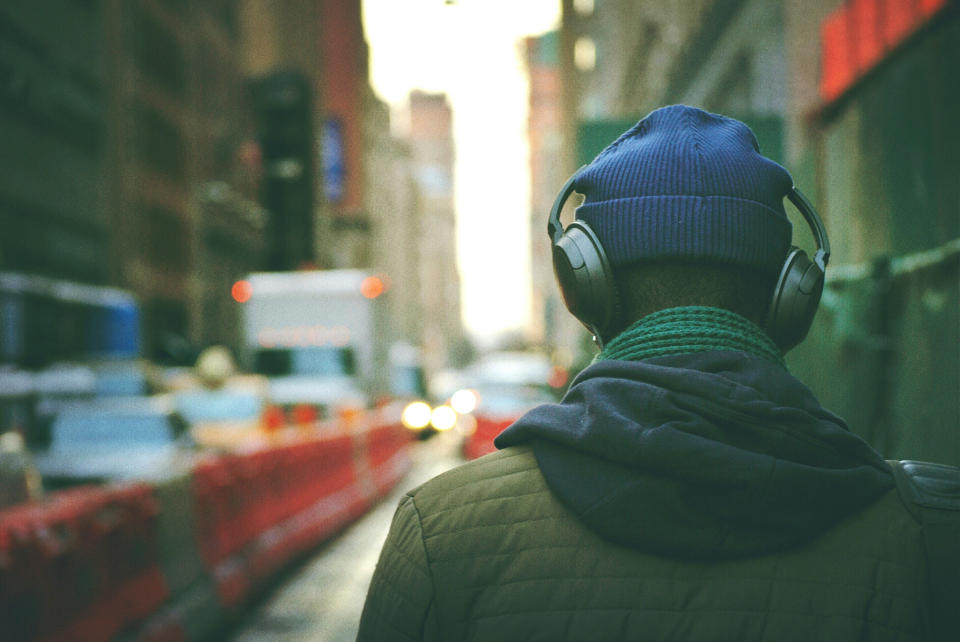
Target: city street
<point x="322" y="600"/>
<point x="267" y="266"/>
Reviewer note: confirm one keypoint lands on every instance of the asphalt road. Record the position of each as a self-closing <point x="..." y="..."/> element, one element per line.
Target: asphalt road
<point x="322" y="600"/>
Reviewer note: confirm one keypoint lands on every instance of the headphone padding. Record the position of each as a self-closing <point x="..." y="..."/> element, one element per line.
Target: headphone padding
<point x="795" y="300"/>
<point x="585" y="278"/>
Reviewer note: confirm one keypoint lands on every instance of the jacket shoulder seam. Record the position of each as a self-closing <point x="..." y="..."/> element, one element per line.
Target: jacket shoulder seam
<point x="411" y="500"/>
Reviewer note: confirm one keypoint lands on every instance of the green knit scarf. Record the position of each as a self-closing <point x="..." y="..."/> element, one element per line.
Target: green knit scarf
<point x="690" y="329"/>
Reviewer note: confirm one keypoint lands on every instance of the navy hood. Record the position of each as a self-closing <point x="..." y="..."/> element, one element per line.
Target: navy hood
<point x="712" y="455"/>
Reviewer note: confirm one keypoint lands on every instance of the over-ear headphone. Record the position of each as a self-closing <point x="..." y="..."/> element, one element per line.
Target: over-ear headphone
<point x="589" y="288"/>
<point x="798" y="289"/>
<point x="582" y="269"/>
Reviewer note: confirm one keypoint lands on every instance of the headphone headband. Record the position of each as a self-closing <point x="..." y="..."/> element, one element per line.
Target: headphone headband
<point x="816" y="226"/>
<point x="554" y="226"/>
<point x="589" y="288"/>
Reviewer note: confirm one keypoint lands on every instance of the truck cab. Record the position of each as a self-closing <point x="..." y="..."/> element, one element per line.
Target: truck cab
<point x="319" y="336"/>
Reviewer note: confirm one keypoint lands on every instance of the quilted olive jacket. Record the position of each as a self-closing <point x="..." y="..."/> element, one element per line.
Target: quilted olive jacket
<point x="696" y="498"/>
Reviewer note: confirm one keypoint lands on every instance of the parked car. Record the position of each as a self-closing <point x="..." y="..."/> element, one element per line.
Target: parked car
<point x="122" y="439"/>
<point x="227" y="418"/>
<point x="500" y="388"/>
<point x="496" y="406"/>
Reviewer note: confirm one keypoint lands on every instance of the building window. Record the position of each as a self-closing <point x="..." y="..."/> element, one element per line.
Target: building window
<point x="165" y="235"/>
<point x="585" y="54"/>
<point x="161" y="145"/>
<point x="583" y="7"/>
<point x="158" y="53"/>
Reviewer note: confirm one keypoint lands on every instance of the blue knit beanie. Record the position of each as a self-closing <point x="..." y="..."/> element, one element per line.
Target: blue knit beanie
<point x="687" y="184"/>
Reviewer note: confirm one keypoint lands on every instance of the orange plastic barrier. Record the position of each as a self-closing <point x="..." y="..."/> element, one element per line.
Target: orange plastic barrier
<point x="258" y="510"/>
<point x="86" y="564"/>
<point x="387" y="454"/>
<point x="81" y="565"/>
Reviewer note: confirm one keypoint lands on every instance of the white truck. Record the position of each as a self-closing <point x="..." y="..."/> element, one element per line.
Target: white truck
<point x="320" y="336"/>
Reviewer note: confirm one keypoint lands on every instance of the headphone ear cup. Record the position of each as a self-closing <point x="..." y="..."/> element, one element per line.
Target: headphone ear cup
<point x="795" y="300"/>
<point x="585" y="278"/>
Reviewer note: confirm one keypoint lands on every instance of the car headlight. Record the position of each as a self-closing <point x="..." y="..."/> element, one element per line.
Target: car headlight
<point x="443" y="418"/>
<point x="464" y="401"/>
<point x="416" y="416"/>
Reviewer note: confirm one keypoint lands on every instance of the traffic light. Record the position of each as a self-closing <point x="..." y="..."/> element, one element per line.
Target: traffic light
<point x="284" y="107"/>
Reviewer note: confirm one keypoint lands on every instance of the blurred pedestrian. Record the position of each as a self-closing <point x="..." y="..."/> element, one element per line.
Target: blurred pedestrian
<point x="687" y="487"/>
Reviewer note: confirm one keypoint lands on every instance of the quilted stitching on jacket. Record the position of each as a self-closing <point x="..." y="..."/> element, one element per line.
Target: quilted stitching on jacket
<point x="499" y="558"/>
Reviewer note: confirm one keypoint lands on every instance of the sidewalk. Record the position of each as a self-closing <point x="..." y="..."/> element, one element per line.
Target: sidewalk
<point x="322" y="601"/>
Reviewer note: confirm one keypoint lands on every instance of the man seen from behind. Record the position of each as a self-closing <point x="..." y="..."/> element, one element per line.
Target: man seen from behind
<point x="687" y="487"/>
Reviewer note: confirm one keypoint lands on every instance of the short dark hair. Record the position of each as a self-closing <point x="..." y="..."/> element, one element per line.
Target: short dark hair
<point x="649" y="286"/>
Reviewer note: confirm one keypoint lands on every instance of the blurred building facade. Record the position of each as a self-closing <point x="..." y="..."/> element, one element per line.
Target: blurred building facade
<point x="282" y="60"/>
<point x="184" y="218"/>
<point x="856" y="98"/>
<point x="183" y="205"/>
<point x="349" y="107"/>
<point x="432" y="157"/>
<point x="169" y="148"/>
<point x="372" y="207"/>
<point x="393" y="201"/>
<point x="122" y="129"/>
<point x="551" y="325"/>
<point x="53" y="115"/>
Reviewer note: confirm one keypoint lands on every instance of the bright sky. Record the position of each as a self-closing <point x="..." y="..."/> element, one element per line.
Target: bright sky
<point x="470" y="50"/>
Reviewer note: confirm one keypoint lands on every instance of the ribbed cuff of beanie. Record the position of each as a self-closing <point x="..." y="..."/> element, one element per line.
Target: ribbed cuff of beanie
<point x="725" y="229"/>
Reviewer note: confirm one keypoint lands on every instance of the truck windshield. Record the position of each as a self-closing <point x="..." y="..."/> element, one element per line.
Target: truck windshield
<point x="321" y="361"/>
<point x="219" y="405"/>
<point x="408" y="381"/>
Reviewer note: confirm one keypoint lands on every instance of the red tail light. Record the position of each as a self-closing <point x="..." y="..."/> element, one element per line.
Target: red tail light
<point x="273" y="418"/>
<point x="372" y="287"/>
<point x="304" y="414"/>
